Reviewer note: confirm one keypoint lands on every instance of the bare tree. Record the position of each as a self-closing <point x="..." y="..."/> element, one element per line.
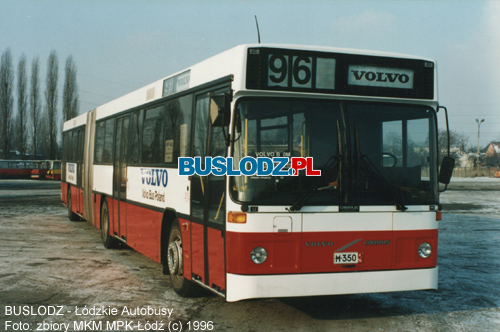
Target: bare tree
<point x="70" y="90"/>
<point x="6" y="102"/>
<point x="44" y="138"/>
<point x="35" y="105"/>
<point x="22" y="105"/>
<point x="51" y="102"/>
<point x="458" y="141"/>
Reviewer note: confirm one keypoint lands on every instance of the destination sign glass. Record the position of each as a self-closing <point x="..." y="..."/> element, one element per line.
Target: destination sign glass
<point x="339" y="73"/>
<point x="176" y="83"/>
<point x="290" y="71"/>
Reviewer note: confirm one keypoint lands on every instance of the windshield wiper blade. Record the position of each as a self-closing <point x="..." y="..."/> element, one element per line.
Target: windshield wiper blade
<point x="329" y="165"/>
<point x="394" y="191"/>
<point x="371" y="168"/>
<point x="303" y="198"/>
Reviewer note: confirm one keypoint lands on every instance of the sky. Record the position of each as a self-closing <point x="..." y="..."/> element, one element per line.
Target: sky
<point x="120" y="46"/>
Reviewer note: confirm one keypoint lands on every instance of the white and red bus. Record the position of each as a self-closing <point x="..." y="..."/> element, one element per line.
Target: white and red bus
<point x="368" y="224"/>
<point x="16" y="169"/>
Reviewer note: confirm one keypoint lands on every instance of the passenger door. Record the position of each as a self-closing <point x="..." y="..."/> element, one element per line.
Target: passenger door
<point x="120" y="178"/>
<point x="208" y="200"/>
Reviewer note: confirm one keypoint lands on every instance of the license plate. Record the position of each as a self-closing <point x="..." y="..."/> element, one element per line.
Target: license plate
<point x="346" y="258"/>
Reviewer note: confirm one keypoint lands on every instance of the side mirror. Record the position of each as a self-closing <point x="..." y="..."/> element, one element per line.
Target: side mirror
<point x="446" y="170"/>
<point x="220" y="110"/>
<point x="237" y="121"/>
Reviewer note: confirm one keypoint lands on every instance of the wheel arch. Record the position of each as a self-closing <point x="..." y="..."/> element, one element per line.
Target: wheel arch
<point x="169" y="216"/>
<point x="103" y="198"/>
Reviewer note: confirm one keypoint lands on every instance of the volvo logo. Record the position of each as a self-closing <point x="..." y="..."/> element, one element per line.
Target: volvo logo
<point x="380" y="77"/>
<point x="374" y="76"/>
<point x="319" y="244"/>
<point x="154" y="177"/>
<point x="377" y="243"/>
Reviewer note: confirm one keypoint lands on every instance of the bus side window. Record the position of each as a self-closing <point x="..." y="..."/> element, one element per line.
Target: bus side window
<point x="201" y="127"/>
<point x="108" y="142"/>
<point x="99" y="142"/>
<point x="186" y="104"/>
<point x="135" y="138"/>
<point x="74" y="146"/>
<point x="173" y="120"/>
<point x="81" y="145"/>
<point x="70" y="146"/>
<point x="65" y="148"/>
<point x="152" y="136"/>
<point x="177" y="128"/>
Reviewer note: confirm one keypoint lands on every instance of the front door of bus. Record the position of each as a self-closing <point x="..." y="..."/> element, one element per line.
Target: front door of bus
<point x="120" y="178"/>
<point x="208" y="202"/>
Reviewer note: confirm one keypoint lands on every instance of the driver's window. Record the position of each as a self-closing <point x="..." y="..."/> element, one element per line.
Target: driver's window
<point x="418" y="142"/>
<point x="392" y="142"/>
<point x="418" y="146"/>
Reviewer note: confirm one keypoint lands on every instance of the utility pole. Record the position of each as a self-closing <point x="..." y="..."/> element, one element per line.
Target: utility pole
<point x="478" y="126"/>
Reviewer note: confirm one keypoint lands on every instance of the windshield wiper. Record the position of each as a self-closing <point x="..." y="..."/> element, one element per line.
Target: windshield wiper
<point x="394" y="191"/>
<point x="363" y="160"/>
<point x="329" y="165"/>
<point x="303" y="198"/>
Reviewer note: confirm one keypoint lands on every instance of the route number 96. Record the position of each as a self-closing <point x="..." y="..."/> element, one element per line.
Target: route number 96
<point x="290" y="71"/>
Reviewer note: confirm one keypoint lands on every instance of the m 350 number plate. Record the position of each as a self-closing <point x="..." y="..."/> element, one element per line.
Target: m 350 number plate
<point x="346" y="258"/>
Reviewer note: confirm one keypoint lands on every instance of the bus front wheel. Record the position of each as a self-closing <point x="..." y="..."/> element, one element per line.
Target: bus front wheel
<point x="181" y="285"/>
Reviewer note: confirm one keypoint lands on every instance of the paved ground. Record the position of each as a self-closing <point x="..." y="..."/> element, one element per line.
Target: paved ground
<point x="48" y="263"/>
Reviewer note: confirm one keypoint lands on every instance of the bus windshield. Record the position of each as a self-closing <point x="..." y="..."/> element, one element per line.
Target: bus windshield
<point x="369" y="153"/>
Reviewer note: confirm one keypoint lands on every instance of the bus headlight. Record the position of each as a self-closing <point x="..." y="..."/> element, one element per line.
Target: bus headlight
<point x="258" y="255"/>
<point x="425" y="250"/>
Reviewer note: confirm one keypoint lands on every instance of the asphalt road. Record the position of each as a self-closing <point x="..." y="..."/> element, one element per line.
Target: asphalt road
<point x="55" y="275"/>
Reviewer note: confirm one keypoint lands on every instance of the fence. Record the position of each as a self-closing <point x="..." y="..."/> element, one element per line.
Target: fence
<point x="471" y="172"/>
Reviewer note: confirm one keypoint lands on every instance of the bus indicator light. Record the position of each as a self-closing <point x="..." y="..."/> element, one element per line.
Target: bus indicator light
<point x="237" y="217"/>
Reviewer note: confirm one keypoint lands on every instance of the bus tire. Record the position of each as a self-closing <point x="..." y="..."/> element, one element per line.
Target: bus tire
<point x="107" y="240"/>
<point x="181" y="285"/>
<point x="71" y="215"/>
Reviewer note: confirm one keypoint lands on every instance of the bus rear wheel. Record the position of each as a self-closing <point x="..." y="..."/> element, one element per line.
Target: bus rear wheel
<point x="107" y="240"/>
<point x="181" y="285"/>
<point x="71" y="215"/>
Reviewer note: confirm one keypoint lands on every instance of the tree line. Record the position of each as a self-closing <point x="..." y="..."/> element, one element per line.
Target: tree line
<point x="33" y="129"/>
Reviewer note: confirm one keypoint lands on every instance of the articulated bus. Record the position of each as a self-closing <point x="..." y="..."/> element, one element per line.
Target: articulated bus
<point x="367" y="122"/>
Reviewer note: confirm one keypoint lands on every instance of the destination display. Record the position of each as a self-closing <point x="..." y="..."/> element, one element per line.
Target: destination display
<point x="176" y="83"/>
<point x="339" y="73"/>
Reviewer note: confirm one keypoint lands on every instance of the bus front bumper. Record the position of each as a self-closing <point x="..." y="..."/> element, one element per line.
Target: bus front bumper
<point x="241" y="287"/>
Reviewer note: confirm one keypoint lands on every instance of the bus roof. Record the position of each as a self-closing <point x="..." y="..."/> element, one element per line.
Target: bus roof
<point x="78" y="121"/>
<point x="229" y="62"/>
